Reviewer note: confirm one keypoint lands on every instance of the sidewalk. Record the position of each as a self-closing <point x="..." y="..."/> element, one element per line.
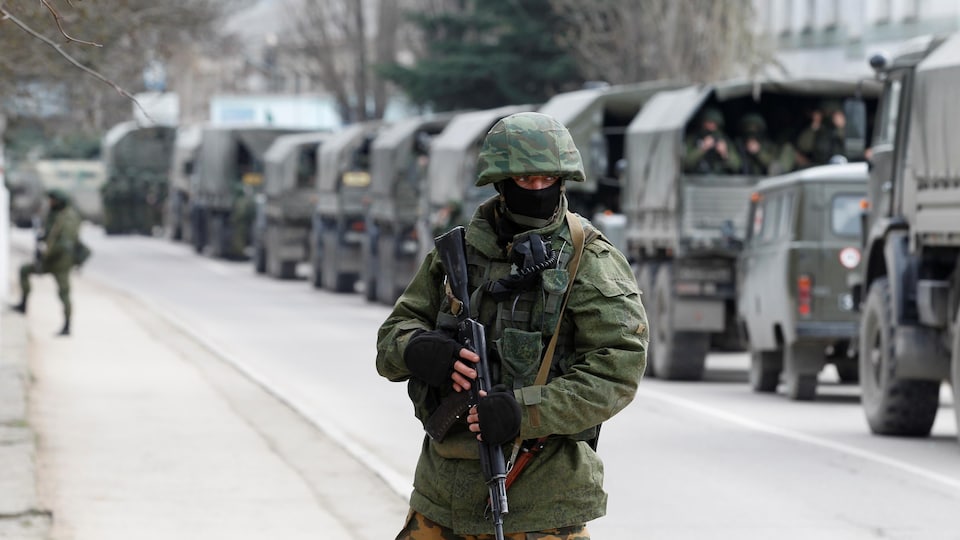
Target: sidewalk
<point x="144" y="434"/>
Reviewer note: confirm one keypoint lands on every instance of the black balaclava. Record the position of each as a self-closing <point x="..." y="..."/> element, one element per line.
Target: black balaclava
<point x="533" y="203"/>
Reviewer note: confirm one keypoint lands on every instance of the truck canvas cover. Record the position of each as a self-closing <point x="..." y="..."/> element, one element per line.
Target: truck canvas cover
<point x="583" y="113"/>
<point x="282" y="160"/>
<point x="217" y="161"/>
<point x="933" y="160"/>
<point x="453" y="154"/>
<point x="392" y="155"/>
<point x="185" y="148"/>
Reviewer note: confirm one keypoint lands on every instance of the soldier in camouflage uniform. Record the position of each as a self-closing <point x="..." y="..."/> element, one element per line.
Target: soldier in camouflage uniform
<point x="709" y="150"/>
<point x="760" y="155"/>
<point x="55" y="253"/>
<point x="824" y="137"/>
<point x="599" y="358"/>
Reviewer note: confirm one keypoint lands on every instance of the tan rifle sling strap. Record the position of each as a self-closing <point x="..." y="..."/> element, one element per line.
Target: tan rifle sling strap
<point x="578" y="235"/>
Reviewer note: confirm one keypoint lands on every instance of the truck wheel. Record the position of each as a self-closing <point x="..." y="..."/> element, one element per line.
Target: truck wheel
<point x="765" y="368"/>
<point x="893" y="406"/>
<point x="316" y="273"/>
<point x="677" y="355"/>
<point x="386" y="250"/>
<point x="260" y="259"/>
<point x="801" y="387"/>
<point x="645" y="283"/>
<point x="955" y="372"/>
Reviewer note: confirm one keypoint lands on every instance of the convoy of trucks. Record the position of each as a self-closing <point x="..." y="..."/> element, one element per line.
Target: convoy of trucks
<point x="805" y="260"/>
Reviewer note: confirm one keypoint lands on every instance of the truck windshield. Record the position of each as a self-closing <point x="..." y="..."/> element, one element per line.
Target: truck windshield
<point x="845" y="215"/>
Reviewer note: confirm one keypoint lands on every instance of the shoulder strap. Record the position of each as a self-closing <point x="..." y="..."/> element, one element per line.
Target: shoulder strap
<point x="576" y="231"/>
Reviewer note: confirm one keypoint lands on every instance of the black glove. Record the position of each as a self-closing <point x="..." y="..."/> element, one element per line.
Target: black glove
<point x="499" y="416"/>
<point x="430" y="356"/>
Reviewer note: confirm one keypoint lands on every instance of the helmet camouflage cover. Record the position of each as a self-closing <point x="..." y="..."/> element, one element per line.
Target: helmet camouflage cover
<point x="528" y="143"/>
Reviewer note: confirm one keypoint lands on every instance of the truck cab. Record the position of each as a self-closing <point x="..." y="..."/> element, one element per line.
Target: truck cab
<point x="801" y="251"/>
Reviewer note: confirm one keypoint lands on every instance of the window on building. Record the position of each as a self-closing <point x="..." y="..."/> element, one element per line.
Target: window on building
<point x="786" y="24"/>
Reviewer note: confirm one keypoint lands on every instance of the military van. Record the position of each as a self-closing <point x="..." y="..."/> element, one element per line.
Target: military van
<point x="685" y="201"/>
<point x="597" y="119"/>
<point x="27" y="196"/>
<point x="228" y="175"/>
<point x="182" y="167"/>
<point x="81" y="179"/>
<point x="281" y="235"/>
<point x="339" y="224"/>
<point x="137" y="162"/>
<point x="400" y="156"/>
<point x="801" y="255"/>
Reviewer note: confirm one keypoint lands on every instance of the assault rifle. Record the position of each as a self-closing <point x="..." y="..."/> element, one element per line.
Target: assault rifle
<point x="451" y="247"/>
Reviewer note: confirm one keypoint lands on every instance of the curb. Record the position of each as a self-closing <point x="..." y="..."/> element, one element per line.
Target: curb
<point x="21" y="516"/>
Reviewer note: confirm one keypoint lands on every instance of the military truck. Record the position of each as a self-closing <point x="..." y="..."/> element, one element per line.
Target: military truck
<point x="339" y="224"/>
<point x="281" y="236"/>
<point x="597" y="118"/>
<point x="909" y="323"/>
<point x="81" y="179"/>
<point x="182" y="167"/>
<point x="400" y="156"/>
<point x="685" y="228"/>
<point x="228" y="174"/>
<point x="801" y="253"/>
<point x="137" y="163"/>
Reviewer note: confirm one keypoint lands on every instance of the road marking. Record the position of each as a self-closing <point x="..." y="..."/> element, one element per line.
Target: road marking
<point x="800" y="437"/>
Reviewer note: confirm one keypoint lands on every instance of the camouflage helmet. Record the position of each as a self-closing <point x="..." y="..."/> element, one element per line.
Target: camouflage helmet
<point x="830" y="106"/>
<point x="752" y="123"/>
<point x="712" y="114"/>
<point x="528" y="143"/>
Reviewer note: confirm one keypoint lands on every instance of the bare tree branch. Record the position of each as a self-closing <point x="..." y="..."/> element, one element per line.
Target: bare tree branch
<point x="36" y="35"/>
<point x="56" y="18"/>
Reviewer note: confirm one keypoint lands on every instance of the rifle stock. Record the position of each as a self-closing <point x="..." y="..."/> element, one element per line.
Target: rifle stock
<point x="451" y="246"/>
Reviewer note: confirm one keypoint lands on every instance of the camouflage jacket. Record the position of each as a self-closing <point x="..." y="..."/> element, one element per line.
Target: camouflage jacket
<point x="599" y="361"/>
<point x="62" y="231"/>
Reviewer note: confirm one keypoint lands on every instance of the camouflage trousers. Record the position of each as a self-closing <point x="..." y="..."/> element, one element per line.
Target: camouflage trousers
<point x="62" y="278"/>
<point x="418" y="527"/>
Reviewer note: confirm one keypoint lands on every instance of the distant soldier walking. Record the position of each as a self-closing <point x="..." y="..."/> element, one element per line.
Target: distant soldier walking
<point x="56" y="253"/>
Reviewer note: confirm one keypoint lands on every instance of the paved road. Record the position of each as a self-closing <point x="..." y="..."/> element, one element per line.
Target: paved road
<point x="685" y="460"/>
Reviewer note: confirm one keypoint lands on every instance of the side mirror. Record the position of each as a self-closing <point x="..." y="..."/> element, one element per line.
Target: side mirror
<point x="855" y="132"/>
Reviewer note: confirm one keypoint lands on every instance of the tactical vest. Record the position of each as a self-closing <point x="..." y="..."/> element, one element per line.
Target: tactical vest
<point x="519" y="328"/>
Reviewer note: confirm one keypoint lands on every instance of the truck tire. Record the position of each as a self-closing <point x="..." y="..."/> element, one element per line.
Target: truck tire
<point x="893" y="406"/>
<point x="386" y="251"/>
<point x="801" y="387"/>
<point x="645" y="276"/>
<point x="260" y="258"/>
<point x="765" y="368"/>
<point x="955" y="372"/>
<point x="333" y="279"/>
<point x="676" y="355"/>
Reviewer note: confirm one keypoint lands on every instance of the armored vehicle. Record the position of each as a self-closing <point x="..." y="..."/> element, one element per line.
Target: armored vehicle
<point x="339" y="227"/>
<point x="597" y="118"/>
<point x="801" y="253"/>
<point x="281" y="233"/>
<point x="228" y="174"/>
<point x="450" y="196"/>
<point x="910" y="315"/>
<point x="685" y="198"/>
<point x="137" y="163"/>
<point x="182" y="168"/>
<point x="400" y="156"/>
